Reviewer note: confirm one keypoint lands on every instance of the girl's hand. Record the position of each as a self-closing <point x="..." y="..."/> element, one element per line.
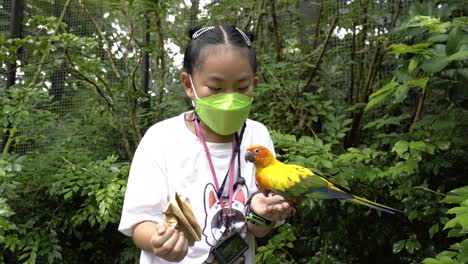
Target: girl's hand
<point x="169" y="243"/>
<point x="272" y="207"/>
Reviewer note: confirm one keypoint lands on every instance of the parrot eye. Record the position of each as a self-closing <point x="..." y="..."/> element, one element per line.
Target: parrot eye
<point x="256" y="151"/>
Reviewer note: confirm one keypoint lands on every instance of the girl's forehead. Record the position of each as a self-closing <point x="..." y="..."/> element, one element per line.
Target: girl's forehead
<point x="225" y="62"/>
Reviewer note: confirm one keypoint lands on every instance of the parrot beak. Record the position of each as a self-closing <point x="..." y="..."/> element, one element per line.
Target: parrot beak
<point x="249" y="157"/>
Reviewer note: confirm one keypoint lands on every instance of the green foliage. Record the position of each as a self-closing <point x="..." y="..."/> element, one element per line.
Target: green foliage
<point x="60" y="201"/>
<point x="78" y="197"/>
<point x="458" y="226"/>
<point x="20" y="108"/>
<point x="8" y="187"/>
<point x="437" y="62"/>
<point x="273" y="251"/>
<point x="412" y="149"/>
<point x="101" y="187"/>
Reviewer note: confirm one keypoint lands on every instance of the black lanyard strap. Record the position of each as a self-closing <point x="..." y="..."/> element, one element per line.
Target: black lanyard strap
<point x="236" y="151"/>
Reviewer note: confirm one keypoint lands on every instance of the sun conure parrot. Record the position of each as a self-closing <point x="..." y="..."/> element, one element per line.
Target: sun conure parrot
<point x="294" y="182"/>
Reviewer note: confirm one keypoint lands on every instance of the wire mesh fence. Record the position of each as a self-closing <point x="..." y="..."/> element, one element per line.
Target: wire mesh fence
<point x="68" y="94"/>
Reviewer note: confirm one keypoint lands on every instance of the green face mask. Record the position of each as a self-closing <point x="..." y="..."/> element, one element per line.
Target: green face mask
<point x="224" y="113"/>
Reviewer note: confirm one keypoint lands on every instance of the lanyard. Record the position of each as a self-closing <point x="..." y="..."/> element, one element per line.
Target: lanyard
<point x="213" y="172"/>
<point x="239" y="180"/>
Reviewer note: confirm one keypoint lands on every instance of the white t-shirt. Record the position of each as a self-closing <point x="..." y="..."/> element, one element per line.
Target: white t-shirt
<point x="169" y="159"/>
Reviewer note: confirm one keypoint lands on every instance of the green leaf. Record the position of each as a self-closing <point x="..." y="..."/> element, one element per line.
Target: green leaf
<point x="432" y="23"/>
<point x="457" y="196"/>
<point x="412" y="245"/>
<point x="461" y="220"/>
<point x="422" y="21"/>
<point x="461" y="55"/>
<point x="454" y="40"/>
<point x="462" y="191"/>
<point x="68" y="195"/>
<point x="403" y="48"/>
<point x="443" y="145"/>
<point x="455" y="232"/>
<point x="381" y="122"/>
<point x="457" y="210"/>
<point x="440" y="28"/>
<point x="421" y="82"/>
<point x="398" y="246"/>
<point x="327" y="164"/>
<point x="401" y="93"/>
<point x="380" y="95"/>
<point x="412" y="65"/>
<point x="431" y="261"/>
<point x="434" y="64"/>
<point x="437" y="38"/>
<point x="389" y="86"/>
<point x="446" y="253"/>
<point x="400" y="147"/>
<point x="433" y="230"/>
<point x="417" y="145"/>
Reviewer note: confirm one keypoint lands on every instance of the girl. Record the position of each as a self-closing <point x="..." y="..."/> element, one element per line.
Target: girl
<point x="200" y="155"/>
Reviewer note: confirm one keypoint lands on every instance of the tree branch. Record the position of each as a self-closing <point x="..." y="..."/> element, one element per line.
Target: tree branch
<point x="317" y="26"/>
<point x="83" y="77"/>
<point x="39" y="68"/>
<point x="103" y="39"/>
<point x="322" y="52"/>
<point x="419" y="107"/>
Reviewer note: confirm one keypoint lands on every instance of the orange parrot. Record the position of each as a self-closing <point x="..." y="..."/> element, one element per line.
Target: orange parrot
<point x="295" y="182"/>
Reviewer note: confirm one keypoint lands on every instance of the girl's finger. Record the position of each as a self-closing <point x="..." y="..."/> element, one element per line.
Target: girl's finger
<point x="164" y="233"/>
<point x="179" y="249"/>
<point x="168" y="246"/>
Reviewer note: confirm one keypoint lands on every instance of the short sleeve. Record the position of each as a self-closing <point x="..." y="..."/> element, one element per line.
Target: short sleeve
<point x="269" y="143"/>
<point x="147" y="193"/>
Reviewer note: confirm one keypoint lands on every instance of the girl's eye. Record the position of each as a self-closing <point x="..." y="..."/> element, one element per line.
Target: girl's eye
<point x="243" y="89"/>
<point x="214" y="88"/>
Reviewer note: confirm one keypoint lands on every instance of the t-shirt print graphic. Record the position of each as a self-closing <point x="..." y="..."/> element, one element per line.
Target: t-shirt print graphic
<point x="214" y="229"/>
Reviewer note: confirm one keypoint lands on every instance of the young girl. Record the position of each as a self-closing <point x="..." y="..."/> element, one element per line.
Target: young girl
<point x="200" y="155"/>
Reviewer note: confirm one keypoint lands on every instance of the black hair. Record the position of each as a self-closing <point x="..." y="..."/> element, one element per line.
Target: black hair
<point x="220" y="34"/>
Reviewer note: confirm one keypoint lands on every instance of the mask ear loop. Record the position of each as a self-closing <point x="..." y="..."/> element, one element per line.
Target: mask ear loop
<point x="195" y="92"/>
<point x="195" y="118"/>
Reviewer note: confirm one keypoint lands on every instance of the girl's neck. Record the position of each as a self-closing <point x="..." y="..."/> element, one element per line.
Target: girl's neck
<point x="210" y="135"/>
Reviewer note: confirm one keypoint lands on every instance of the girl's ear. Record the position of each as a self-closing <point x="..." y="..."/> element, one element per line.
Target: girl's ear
<point x="255" y="81"/>
<point x="185" y="79"/>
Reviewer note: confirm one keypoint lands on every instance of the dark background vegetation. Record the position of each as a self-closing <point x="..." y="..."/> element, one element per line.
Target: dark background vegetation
<point x="372" y="93"/>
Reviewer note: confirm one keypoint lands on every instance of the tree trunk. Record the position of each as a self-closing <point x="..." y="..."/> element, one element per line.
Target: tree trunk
<point x="145" y="64"/>
<point x="310" y="20"/>
<point x="194" y="13"/>
<point x="160" y="63"/>
<point x="278" y="44"/>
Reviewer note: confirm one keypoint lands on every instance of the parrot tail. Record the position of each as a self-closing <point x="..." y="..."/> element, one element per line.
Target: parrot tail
<point x="362" y="201"/>
<point x="328" y="193"/>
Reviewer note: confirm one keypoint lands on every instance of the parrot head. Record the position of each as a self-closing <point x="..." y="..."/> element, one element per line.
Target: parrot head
<point x="260" y="156"/>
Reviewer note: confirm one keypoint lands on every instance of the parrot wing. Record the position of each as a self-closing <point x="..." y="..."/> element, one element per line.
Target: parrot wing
<point x="291" y="181"/>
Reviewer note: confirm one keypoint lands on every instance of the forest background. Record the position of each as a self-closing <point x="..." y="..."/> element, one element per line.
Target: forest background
<point x="372" y="93"/>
